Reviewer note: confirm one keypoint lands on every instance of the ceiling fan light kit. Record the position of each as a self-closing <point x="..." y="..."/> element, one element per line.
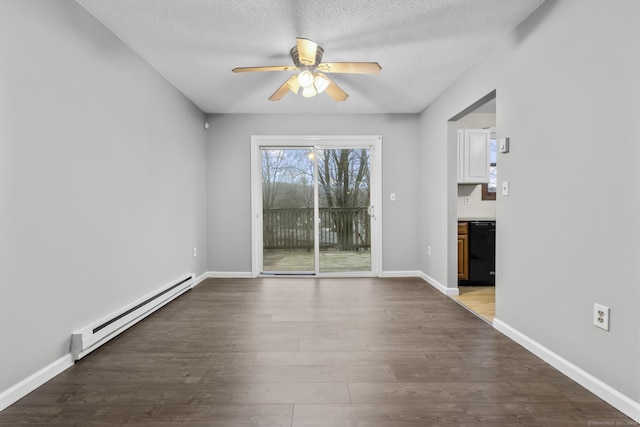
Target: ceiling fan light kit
<point x="307" y="57"/>
<point x="305" y="79"/>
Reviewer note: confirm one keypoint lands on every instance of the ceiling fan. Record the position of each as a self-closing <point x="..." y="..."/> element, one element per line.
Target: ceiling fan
<point x="307" y="57"/>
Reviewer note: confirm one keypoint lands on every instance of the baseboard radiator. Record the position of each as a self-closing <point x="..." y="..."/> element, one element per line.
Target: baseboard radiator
<point x="94" y="335"/>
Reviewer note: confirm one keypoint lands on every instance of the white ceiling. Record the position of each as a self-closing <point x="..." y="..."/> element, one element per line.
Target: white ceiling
<point x="423" y="46"/>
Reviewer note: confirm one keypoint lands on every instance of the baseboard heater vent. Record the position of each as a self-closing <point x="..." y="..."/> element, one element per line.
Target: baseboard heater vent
<point x="94" y="335"/>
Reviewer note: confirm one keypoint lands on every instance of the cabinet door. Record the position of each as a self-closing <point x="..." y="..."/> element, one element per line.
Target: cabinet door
<point x="460" y="155"/>
<point x="476" y="155"/>
<point x="463" y="257"/>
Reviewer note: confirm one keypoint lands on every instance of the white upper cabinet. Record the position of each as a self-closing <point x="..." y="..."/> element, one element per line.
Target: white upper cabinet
<point x="473" y="156"/>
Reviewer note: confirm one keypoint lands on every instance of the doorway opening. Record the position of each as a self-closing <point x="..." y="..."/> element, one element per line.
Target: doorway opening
<point x="314" y="204"/>
<point x="475" y="206"/>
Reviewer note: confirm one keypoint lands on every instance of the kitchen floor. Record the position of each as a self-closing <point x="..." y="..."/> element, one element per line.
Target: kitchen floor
<point x="479" y="299"/>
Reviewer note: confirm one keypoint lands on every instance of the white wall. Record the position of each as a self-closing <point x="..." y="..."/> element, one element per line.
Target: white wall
<point x="477" y="121"/>
<point x="102" y="185"/>
<point x="229" y="187"/>
<point x="567" y="96"/>
<point x="478" y="208"/>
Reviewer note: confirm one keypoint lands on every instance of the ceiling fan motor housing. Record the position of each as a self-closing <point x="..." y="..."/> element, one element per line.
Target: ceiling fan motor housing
<point x="303" y="66"/>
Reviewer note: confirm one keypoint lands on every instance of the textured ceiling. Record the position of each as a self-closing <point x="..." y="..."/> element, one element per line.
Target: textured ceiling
<point x="423" y="46"/>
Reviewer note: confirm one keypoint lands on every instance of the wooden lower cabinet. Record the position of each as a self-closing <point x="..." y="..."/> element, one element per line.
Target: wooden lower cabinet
<point x="463" y="251"/>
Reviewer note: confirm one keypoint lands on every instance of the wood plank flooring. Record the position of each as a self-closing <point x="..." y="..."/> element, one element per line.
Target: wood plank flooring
<point x="312" y="352"/>
<point x="479" y="299"/>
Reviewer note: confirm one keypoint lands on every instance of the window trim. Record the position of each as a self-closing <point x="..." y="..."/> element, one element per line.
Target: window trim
<point x="486" y="195"/>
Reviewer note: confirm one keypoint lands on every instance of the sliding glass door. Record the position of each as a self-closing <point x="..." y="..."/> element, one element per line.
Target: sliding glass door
<point x="288" y="232"/>
<point x="315" y="213"/>
<point x="344" y="197"/>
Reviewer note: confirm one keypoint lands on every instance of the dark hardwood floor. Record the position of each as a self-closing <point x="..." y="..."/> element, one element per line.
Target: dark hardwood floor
<point x="312" y="352"/>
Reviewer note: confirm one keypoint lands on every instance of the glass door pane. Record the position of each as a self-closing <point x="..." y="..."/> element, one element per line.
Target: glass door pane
<point x="344" y="197"/>
<point x="288" y="211"/>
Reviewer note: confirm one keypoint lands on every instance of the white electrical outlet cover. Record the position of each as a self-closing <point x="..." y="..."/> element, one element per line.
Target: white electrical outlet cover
<point x="601" y="316"/>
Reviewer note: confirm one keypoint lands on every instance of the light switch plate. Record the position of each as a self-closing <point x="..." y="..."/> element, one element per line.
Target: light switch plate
<point x="505" y="188"/>
<point x="504" y="145"/>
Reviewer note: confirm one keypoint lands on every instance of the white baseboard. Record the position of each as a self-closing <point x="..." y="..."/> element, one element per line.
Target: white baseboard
<point x="248" y="275"/>
<point x="616" y="399"/>
<point x="229" y="275"/>
<point x="439" y="286"/>
<point x="201" y="278"/>
<point x="33" y="381"/>
<point x="400" y="274"/>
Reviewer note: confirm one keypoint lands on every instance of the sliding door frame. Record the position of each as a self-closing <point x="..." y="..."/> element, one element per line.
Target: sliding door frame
<point x="373" y="142"/>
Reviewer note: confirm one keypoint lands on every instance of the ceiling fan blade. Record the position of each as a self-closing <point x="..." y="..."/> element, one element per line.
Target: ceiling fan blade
<point x="307" y="51"/>
<point x="294" y="84"/>
<point x="265" y="68"/>
<point x="335" y="92"/>
<point x="350" y="67"/>
<point x="290" y="85"/>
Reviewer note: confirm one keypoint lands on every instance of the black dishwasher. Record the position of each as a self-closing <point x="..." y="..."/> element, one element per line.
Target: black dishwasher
<point x="482" y="253"/>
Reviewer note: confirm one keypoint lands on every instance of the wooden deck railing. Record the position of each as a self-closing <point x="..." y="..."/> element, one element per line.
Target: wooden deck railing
<point x="339" y="229"/>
